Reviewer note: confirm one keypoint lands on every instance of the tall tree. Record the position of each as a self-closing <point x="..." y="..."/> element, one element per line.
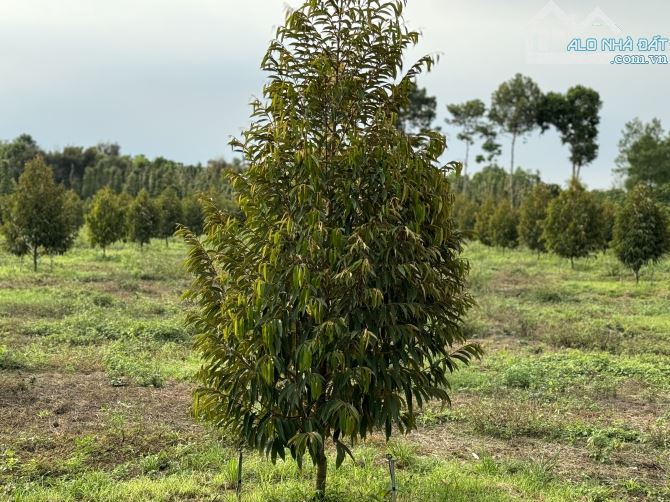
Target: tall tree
<point x="142" y="219"/>
<point x="644" y="154"/>
<point x="641" y="231"/>
<point x="70" y="164"/>
<point x="418" y="111"/>
<point x="514" y="108"/>
<point x="575" y="116"/>
<point x="106" y="219"/>
<point x="344" y="288"/>
<point x="468" y="118"/>
<point x="170" y="213"/>
<point x="38" y="220"/>
<point x="573" y="227"/>
<point x="491" y="149"/>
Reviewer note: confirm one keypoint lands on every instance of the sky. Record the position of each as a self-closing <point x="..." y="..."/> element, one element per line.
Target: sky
<point x="173" y="78"/>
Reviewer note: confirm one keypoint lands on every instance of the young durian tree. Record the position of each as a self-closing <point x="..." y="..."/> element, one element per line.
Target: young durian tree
<point x="573" y="227"/>
<point x="641" y="230"/>
<point x="333" y="307"/>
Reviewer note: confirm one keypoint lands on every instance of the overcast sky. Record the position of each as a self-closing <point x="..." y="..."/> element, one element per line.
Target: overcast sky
<point x="174" y="77"/>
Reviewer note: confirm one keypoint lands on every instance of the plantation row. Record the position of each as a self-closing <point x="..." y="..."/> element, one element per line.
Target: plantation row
<point x="42" y="217"/>
<point x="573" y="223"/>
<point x="87" y="170"/>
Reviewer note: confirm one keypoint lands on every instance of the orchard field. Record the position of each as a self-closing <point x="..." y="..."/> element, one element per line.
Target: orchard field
<point x="571" y="400"/>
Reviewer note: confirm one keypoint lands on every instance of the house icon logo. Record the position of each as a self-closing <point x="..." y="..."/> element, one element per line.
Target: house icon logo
<point x="550" y="31"/>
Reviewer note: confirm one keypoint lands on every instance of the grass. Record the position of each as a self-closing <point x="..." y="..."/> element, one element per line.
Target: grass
<point x="570" y="402"/>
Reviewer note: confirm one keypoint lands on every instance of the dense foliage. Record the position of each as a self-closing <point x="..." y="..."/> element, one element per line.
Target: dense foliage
<point x="483" y="229"/>
<point x="106" y="219"/>
<point x="334" y="306"/>
<point x="504" y="222"/>
<point x="644" y="156"/>
<point x="170" y="213"/>
<point x="142" y="219"/>
<point x="574" y="223"/>
<point x="532" y="214"/>
<point x="641" y="232"/>
<point x="87" y="170"/>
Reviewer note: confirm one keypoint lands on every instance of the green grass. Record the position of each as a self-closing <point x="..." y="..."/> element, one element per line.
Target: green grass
<point x="570" y="402"/>
<point x="203" y="472"/>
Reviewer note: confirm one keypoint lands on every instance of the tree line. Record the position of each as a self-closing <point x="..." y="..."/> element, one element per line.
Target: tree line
<point x="43" y="217"/>
<point x="572" y="223"/>
<point x="87" y="170"/>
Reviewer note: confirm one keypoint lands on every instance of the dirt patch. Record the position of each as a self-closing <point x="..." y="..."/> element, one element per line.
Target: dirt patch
<point x="74" y="404"/>
<point x="562" y="460"/>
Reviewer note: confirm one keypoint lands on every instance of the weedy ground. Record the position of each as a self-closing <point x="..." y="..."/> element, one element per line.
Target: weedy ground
<point x="571" y="401"/>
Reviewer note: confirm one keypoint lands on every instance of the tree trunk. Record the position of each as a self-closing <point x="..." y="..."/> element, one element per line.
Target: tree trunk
<point x="574" y="171"/>
<point x="572" y="263"/>
<point x="511" y="172"/>
<point x="637" y="276"/>
<point x="35" y="259"/>
<point x="166" y="243"/>
<point x="104" y="255"/>
<point x="465" y="163"/>
<point x="321" y="472"/>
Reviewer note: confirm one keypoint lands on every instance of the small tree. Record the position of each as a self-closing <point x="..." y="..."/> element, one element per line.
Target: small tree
<point x="483" y="229"/>
<point x="465" y="214"/>
<point x="641" y="233"/>
<point x="170" y="213"/>
<point x="106" y="219"/>
<point x="608" y="210"/>
<point x="532" y="214"/>
<point x="142" y="219"/>
<point x="74" y="211"/>
<point x="334" y="306"/>
<point x="38" y="220"/>
<point x="193" y="217"/>
<point x="503" y="226"/>
<point x="573" y="228"/>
